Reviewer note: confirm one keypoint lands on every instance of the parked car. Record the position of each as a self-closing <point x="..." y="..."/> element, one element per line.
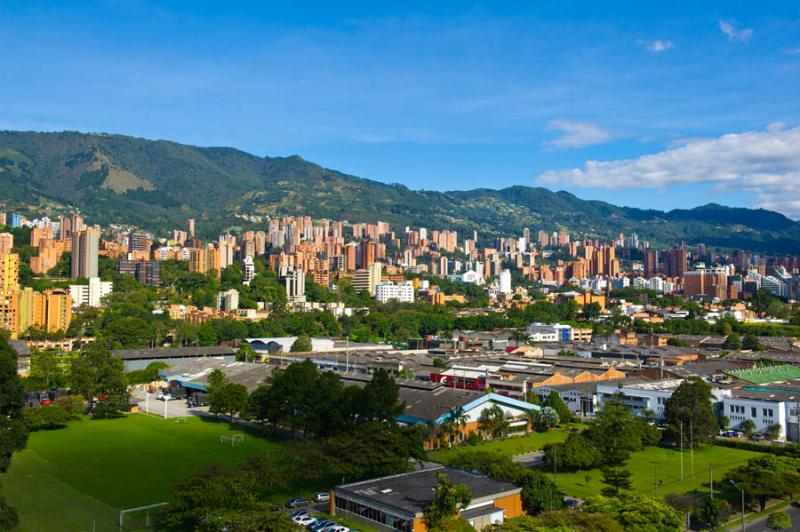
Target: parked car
<point x="298" y="513"/>
<point x="757" y="437"/>
<point x="335" y="528"/>
<point x="163" y="396"/>
<point x="319" y="525"/>
<point x="730" y="434"/>
<point x="297" y="502"/>
<point x="322" y="496"/>
<point x="305" y="520"/>
<point x="571" y="503"/>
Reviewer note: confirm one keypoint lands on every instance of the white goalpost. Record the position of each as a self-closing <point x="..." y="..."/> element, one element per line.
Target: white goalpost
<point x="233" y="440"/>
<point x="141" y="518"/>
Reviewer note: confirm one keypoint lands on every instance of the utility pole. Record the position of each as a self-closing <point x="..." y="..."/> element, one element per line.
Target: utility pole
<point x="711" y="478"/>
<point x="555" y="465"/>
<point x="681" y="449"/>
<point x="691" y="446"/>
<point x="742" y="490"/>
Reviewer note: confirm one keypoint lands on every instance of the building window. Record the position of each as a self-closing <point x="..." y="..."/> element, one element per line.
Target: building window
<point x="753" y="411"/>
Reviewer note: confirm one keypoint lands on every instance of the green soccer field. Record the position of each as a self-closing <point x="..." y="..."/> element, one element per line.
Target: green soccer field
<point x="662" y="466"/>
<point x="80" y="477"/>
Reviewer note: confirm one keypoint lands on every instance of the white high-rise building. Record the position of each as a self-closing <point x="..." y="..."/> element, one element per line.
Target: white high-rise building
<point x="228" y="300"/>
<point x="295" y="284"/>
<point x="402" y="292"/>
<point x="248" y="270"/>
<point x="90" y="295"/>
<point x="505" y="282"/>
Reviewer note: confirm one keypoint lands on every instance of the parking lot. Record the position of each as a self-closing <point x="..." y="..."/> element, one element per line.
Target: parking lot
<point x="169" y="409"/>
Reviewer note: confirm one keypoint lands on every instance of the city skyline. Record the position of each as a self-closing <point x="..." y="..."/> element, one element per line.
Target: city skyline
<point x="679" y="105"/>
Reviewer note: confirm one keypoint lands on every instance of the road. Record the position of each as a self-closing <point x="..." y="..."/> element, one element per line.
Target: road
<point x="760" y="524"/>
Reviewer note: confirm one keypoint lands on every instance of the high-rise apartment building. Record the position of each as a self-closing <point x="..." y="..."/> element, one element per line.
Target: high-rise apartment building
<point x="9" y="278"/>
<point x="85" y="245"/>
<point x="6" y="243"/>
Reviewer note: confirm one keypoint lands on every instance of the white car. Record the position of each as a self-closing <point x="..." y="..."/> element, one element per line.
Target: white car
<point x="335" y="528"/>
<point x="304" y="520"/>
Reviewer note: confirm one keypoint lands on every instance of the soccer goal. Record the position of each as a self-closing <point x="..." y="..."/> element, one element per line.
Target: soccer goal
<point x="141" y="518"/>
<point x="233" y="440"/>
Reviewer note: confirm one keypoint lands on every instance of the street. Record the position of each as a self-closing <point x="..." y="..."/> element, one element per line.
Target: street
<point x="760" y="524"/>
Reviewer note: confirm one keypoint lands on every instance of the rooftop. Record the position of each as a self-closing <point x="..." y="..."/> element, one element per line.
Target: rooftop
<point x="410" y="493"/>
<point x="173" y="352"/>
<point x="767" y="374"/>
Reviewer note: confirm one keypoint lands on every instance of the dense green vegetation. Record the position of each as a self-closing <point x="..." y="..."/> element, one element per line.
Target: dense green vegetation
<point x="158" y="184"/>
<point x="13" y="429"/>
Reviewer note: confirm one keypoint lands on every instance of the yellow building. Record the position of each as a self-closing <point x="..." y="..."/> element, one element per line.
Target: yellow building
<point x="9" y="278"/>
<point x="52" y="310"/>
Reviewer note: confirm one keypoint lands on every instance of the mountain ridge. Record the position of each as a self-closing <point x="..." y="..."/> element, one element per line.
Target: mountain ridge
<point x="157" y="184"/>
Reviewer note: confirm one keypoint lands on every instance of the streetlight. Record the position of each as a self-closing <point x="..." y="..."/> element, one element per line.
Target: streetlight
<point x="742" y="490"/>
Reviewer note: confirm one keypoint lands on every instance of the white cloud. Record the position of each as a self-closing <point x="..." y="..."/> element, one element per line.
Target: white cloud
<point x="767" y="163"/>
<point x="658" y="46"/>
<point x="731" y="30"/>
<point x="577" y="134"/>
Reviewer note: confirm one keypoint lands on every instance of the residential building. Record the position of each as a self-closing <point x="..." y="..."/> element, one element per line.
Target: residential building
<point x="91" y="294"/>
<point x="368" y="279"/>
<point x="85" y="245"/>
<point x="147" y="272"/>
<point x="248" y="270"/>
<point x="228" y="300"/>
<point x="402" y="292"/>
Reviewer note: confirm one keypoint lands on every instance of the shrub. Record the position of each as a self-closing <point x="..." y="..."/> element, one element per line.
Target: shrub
<point x="47" y="417"/>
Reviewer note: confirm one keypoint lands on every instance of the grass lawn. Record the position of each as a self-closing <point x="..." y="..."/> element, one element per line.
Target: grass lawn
<point x="507" y="447"/>
<point x="663" y="464"/>
<point x="80" y="476"/>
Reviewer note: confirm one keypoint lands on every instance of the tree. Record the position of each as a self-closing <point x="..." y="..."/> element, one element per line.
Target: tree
<point x="447" y="500"/>
<point x="688" y="413"/>
<point x="246" y="353"/>
<point x="637" y="513"/>
<point x="554" y="401"/>
<point x="766" y="477"/>
<point x="493" y="422"/>
<point x="573" y="454"/>
<point x="779" y="521"/>
<point x="616" y="479"/>
<point x="748" y="426"/>
<point x="712" y="513"/>
<point x="773" y="431"/>
<point x="96" y="372"/>
<point x="752" y="343"/>
<point x="542" y="419"/>
<point x="732" y="342"/>
<point x="302" y="344"/>
<point x="616" y="433"/>
<point x="13" y="431"/>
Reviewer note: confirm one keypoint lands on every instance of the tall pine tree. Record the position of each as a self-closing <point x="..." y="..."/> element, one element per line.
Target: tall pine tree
<point x="13" y="432"/>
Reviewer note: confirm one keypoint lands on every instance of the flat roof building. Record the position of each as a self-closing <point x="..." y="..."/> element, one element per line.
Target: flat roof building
<point x="397" y="502"/>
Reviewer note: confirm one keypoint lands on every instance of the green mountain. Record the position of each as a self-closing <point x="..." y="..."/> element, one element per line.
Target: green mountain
<point x="159" y="184"/>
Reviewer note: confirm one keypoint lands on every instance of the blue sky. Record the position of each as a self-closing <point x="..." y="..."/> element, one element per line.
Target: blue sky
<point x="437" y="95"/>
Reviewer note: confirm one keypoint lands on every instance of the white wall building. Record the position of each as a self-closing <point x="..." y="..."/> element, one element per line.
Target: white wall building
<point x="228" y="300"/>
<point x="764" y="407"/>
<point x="402" y="292"/>
<point x="549" y="332"/>
<point x="248" y="270"/>
<point x="646" y="395"/>
<point x="90" y="295"/>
